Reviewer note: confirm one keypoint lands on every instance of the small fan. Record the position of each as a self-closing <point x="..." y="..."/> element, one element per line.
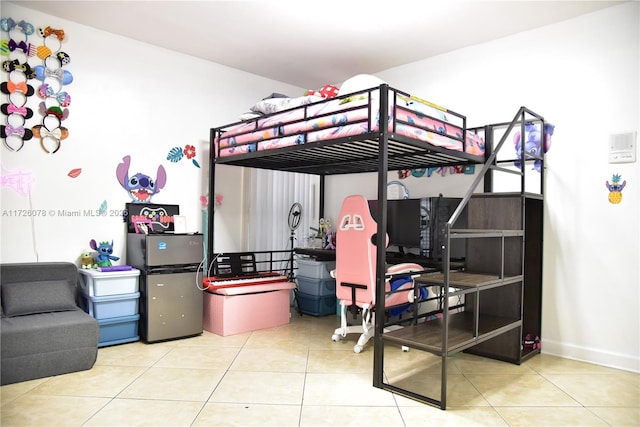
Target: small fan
<point x="295" y="214"/>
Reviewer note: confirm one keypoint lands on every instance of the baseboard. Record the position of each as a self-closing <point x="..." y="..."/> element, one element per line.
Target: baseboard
<point x="591" y="355"/>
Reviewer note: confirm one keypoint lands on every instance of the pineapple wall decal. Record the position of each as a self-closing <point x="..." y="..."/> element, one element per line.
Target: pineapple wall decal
<point x="615" y="189"/>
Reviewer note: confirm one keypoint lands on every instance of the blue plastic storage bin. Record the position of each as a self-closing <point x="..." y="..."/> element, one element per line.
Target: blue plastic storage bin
<point x="317" y="305"/>
<point x="110" y="306"/>
<point x="317" y="287"/>
<point x="118" y="330"/>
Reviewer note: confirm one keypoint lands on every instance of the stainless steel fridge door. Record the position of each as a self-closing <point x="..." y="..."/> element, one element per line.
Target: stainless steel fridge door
<point x="173" y="249"/>
<point x="173" y="306"/>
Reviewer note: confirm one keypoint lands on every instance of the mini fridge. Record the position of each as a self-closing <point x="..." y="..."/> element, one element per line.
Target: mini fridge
<point x="170" y="284"/>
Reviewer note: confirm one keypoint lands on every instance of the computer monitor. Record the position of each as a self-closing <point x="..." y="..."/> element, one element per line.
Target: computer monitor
<point x="404" y="222"/>
<point x="419" y="225"/>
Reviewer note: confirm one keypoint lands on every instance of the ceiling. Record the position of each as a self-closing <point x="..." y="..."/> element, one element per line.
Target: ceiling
<point x="309" y="43"/>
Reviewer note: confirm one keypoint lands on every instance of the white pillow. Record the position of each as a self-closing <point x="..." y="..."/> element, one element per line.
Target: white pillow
<point x="249" y="116"/>
<point x="358" y="83"/>
<point x="273" y="105"/>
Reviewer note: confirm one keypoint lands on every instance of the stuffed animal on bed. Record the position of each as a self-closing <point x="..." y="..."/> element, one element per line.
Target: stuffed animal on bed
<point x="326" y="91"/>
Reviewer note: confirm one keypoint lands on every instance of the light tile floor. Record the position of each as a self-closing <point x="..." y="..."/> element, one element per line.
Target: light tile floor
<point x="295" y="375"/>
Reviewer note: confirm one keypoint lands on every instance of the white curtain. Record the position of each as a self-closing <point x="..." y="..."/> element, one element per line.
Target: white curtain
<point x="270" y="196"/>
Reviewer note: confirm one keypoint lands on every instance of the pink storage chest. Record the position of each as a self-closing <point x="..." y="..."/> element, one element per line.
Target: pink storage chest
<point x="259" y="307"/>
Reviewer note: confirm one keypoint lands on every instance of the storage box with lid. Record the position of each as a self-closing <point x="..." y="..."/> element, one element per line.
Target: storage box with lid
<point x="98" y="283"/>
<point x="314" y="269"/>
<point x="241" y="309"/>
<point x="316" y="288"/>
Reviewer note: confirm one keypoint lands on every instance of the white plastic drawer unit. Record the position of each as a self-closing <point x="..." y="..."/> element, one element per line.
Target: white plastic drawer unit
<point x="95" y="283"/>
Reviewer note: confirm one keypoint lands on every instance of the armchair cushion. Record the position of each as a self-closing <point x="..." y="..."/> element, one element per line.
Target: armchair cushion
<point x="45" y="296"/>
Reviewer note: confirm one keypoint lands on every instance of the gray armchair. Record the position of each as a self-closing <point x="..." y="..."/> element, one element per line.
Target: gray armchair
<point x="43" y="332"/>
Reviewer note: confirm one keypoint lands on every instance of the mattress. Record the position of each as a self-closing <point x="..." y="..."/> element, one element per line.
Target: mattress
<point x="357" y="114"/>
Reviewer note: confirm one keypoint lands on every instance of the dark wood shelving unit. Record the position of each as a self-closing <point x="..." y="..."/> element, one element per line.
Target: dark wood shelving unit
<point x="524" y="212"/>
<point x="427" y="336"/>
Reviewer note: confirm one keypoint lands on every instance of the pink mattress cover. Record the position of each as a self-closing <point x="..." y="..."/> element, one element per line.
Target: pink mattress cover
<point x="335" y="119"/>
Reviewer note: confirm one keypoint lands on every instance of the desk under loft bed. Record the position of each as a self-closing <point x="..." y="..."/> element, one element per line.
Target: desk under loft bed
<point x="343" y="135"/>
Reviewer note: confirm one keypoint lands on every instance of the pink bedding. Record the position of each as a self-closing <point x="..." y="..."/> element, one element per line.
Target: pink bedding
<point x="338" y="118"/>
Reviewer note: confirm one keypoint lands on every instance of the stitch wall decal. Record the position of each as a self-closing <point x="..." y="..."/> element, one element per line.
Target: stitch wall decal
<point x="443" y="171"/>
<point x="615" y="189"/>
<point x="140" y="187"/>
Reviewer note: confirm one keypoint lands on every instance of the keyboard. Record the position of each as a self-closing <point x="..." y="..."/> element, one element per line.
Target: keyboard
<point x="214" y="283"/>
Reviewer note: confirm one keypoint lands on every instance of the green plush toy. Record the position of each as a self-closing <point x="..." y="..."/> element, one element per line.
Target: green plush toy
<point x="87" y="261"/>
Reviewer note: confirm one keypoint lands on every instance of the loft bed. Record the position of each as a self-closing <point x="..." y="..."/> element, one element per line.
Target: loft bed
<point x="343" y="135"/>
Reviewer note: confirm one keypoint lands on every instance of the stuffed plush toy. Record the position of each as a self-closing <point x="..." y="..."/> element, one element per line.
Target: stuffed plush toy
<point x="104" y="249"/>
<point x="533" y="143"/>
<point x="326" y="91"/>
<point x="87" y="261"/>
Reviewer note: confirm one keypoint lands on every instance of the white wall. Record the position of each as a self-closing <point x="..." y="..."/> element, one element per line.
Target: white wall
<point x="127" y="98"/>
<point x="586" y="83"/>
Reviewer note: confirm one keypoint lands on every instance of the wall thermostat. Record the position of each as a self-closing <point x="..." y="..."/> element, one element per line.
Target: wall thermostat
<point x="622" y="147"/>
